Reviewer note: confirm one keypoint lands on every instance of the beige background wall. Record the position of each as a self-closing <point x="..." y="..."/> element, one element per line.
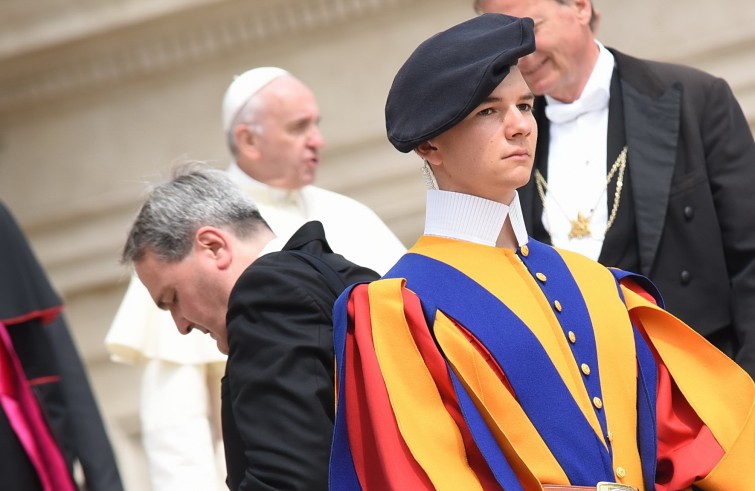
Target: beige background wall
<point x="99" y="96"/>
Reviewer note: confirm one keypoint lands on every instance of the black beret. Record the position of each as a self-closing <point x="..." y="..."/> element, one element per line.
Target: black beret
<point x="451" y="73"/>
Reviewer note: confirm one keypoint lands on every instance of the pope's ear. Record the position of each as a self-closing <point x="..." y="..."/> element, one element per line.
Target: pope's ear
<point x="245" y="138"/>
<point x="427" y="151"/>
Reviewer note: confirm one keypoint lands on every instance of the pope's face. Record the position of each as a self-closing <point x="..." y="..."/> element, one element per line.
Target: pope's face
<point x="490" y="152"/>
<point x="192" y="290"/>
<point x="289" y="141"/>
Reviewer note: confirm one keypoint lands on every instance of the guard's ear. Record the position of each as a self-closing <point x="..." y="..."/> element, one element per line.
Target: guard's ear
<point x="428" y="152"/>
<point x="214" y="244"/>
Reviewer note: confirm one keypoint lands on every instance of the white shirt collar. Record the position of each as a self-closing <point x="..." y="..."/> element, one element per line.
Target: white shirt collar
<point x="471" y="218"/>
<point x="244" y="180"/>
<point x="241" y="177"/>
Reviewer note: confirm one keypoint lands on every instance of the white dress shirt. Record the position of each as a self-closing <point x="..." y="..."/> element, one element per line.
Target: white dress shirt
<point x="577" y="162"/>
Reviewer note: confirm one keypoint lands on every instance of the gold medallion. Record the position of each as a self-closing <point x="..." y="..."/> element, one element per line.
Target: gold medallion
<point x="580" y="228"/>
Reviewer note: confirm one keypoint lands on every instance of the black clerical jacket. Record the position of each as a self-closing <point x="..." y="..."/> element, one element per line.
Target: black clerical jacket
<point x="278" y="393"/>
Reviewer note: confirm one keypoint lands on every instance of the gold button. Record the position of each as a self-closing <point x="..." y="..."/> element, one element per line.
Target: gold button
<point x="557" y="304"/>
<point x="585" y="368"/>
<point x="541" y="277"/>
<point x="621" y="473"/>
<point x="597" y="402"/>
<point x="572" y="337"/>
<point x="610" y="436"/>
<point x="525" y="250"/>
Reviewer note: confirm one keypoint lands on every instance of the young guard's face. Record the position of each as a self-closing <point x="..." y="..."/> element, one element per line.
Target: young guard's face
<point x="490" y="152"/>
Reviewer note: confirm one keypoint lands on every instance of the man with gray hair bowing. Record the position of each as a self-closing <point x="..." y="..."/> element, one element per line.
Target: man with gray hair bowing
<point x="270" y="119"/>
<point x="202" y="250"/>
<point x="487" y="360"/>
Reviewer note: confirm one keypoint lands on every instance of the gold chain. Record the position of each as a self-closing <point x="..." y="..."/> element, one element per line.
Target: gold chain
<point x="580" y="227"/>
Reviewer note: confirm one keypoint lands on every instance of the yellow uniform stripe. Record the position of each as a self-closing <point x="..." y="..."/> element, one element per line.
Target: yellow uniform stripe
<point x="616" y="359"/>
<point x="425" y="425"/>
<point x="530" y="456"/>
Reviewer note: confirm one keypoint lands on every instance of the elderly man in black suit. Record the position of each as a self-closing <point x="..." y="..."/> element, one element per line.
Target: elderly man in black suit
<point x="200" y="246"/>
<point x="642" y="165"/>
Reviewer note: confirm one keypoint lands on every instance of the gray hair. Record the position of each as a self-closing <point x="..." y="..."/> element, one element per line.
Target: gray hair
<point x="194" y="197"/>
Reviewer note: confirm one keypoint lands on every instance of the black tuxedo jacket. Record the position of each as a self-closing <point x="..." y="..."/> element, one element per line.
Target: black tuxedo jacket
<point x="278" y="390"/>
<point x="687" y="213"/>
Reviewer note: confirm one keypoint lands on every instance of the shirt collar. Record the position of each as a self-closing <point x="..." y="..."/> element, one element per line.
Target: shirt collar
<point x="275" y="195"/>
<point x="471" y="218"/>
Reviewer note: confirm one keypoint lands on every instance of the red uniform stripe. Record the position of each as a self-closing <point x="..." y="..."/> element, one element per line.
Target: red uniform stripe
<point x="381" y="458"/>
